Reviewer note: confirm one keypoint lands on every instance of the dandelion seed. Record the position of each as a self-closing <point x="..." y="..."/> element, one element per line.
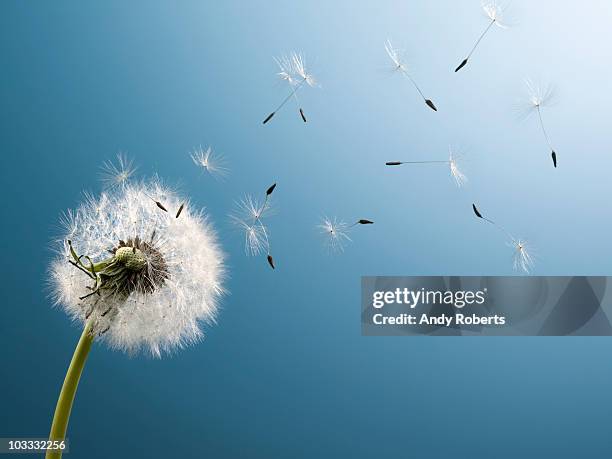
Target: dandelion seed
<point x="248" y="217"/>
<point x="255" y="236"/>
<point x="336" y="234"/>
<point x="365" y="222"/>
<point x="399" y="66"/>
<point x="538" y="97"/>
<point x="271" y="261"/>
<point x="180" y="209"/>
<point x="293" y="71"/>
<point x="522" y="260"/>
<point x="452" y="161"/>
<point x="495" y="12"/>
<point x="117" y="174"/>
<point x="210" y="162"/>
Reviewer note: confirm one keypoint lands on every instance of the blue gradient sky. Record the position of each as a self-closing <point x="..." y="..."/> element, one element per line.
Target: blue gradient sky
<point x="286" y="372"/>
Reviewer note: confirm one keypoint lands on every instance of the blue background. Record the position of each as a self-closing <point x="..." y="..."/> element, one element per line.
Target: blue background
<point x="286" y="373"/>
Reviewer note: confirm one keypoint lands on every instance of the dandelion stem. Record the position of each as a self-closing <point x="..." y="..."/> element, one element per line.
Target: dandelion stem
<point x="475" y="46"/>
<point x="480" y="38"/>
<point x="424" y="162"/>
<point x="413" y="83"/>
<point x="544" y="129"/>
<point x="71" y="382"/>
<point x="291" y="94"/>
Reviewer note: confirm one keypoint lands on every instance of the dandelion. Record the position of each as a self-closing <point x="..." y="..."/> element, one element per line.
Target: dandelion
<point x="248" y="217"/>
<point x="210" y="162"/>
<point x="538" y="97"/>
<point x="293" y="71"/>
<point x="337" y="231"/>
<point x="400" y="66"/>
<point x="134" y="277"/>
<point x="522" y="258"/>
<point x="495" y="13"/>
<point x="453" y="163"/>
<point x="287" y="74"/>
<point x="117" y="174"/>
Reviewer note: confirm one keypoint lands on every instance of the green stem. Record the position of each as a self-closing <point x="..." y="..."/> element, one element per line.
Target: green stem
<point x="71" y="382"/>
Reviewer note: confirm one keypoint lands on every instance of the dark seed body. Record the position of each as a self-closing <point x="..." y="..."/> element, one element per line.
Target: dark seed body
<point x="271" y="189"/>
<point x="465" y="61"/>
<point x="431" y="105"/>
<point x="365" y="222"/>
<point x="268" y="118"/>
<point x="302" y="115"/>
<point x="554" y="158"/>
<point x="393" y="163"/>
<point x="478" y="214"/>
<point x="271" y="261"/>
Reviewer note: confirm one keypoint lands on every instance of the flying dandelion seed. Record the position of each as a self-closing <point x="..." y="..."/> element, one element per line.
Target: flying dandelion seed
<point x="495" y="13"/>
<point x="400" y="66"/>
<point x="212" y="163"/>
<point x="117" y="174"/>
<point x="248" y="217"/>
<point x="453" y="162"/>
<point x="538" y="97"/>
<point x="522" y="258"/>
<point x="287" y="74"/>
<point x="336" y="234"/>
<point x="293" y="71"/>
<point x="134" y="277"/>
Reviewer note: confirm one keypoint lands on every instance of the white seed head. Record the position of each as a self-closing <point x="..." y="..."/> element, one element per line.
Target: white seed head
<point x="496" y="12"/>
<point x="293" y="70"/>
<point x="117" y="174"/>
<point x="453" y="162"/>
<point x="395" y="56"/>
<point x="248" y="217"/>
<point x="210" y="162"/>
<point x="158" y="276"/>
<point x="537" y="96"/>
<point x="522" y="259"/>
<point x="335" y="232"/>
<point x="299" y="67"/>
<point x="286" y="73"/>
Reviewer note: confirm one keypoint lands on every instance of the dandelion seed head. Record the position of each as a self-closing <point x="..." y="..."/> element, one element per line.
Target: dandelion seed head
<point x="210" y="162"/>
<point x="159" y="276"/>
<point x="299" y="67"/>
<point x="335" y="232"/>
<point x="293" y="70"/>
<point x="522" y="259"/>
<point x="394" y="55"/>
<point x="286" y="72"/>
<point x="453" y="162"/>
<point x="117" y="173"/>
<point x="255" y="236"/>
<point x="495" y="11"/>
<point x="539" y="95"/>
<point x="248" y="217"/>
